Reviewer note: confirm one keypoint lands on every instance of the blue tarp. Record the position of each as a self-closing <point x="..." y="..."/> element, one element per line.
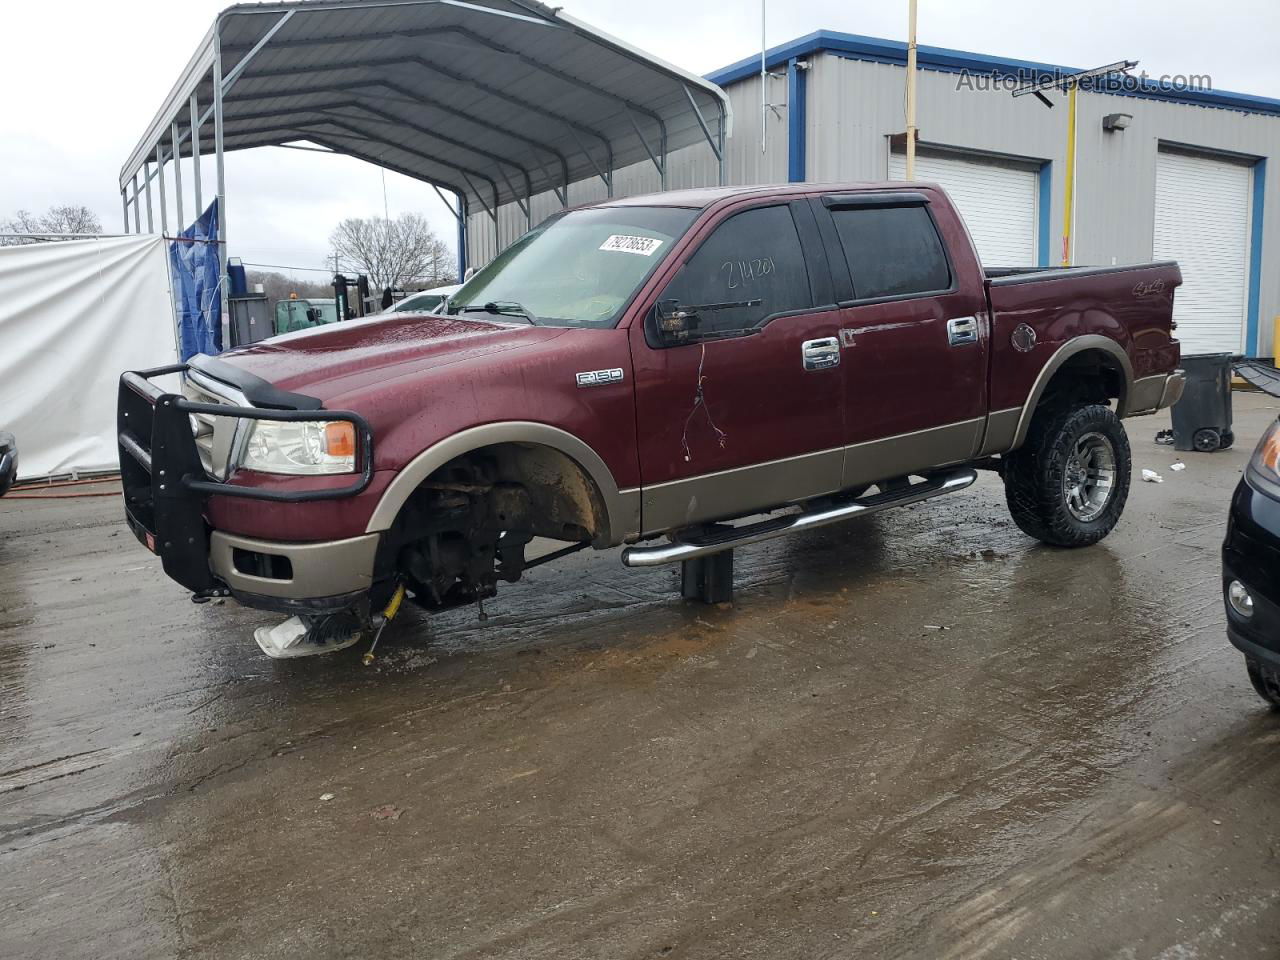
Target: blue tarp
<point x="193" y="256"/>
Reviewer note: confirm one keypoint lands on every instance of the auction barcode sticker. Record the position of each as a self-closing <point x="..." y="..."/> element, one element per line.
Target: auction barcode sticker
<point x="645" y="246"/>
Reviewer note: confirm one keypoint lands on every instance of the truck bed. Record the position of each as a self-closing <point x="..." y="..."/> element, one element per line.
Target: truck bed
<point x="1131" y="305"/>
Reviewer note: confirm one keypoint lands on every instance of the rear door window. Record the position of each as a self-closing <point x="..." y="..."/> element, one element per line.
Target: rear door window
<point x="892" y="251"/>
<point x="754" y="255"/>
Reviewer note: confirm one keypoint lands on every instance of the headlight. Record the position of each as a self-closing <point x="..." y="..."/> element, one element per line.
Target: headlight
<point x="1239" y="599"/>
<point x="1266" y="458"/>
<point x="301" y="447"/>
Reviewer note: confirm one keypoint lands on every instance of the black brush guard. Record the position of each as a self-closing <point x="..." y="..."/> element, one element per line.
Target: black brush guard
<point x="166" y="485"/>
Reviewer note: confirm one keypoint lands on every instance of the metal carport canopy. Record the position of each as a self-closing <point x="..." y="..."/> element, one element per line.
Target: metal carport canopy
<point x="496" y="100"/>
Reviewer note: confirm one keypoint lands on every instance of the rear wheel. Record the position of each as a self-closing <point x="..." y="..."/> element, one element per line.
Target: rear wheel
<point x="1067" y="485"/>
<point x="1265" y="680"/>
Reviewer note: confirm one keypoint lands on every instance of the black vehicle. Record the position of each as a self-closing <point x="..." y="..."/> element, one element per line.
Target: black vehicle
<point x="1251" y="567"/>
<point x="8" y="462"/>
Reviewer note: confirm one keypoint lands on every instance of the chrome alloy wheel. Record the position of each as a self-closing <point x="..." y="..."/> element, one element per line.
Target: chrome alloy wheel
<point x="1089" y="477"/>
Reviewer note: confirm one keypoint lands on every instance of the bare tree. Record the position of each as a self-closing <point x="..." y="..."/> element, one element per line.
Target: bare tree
<point x="392" y="253"/>
<point x="59" y="219"/>
<point x="277" y="286"/>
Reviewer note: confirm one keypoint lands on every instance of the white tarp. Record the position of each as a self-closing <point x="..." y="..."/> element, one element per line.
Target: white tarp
<point x="75" y="314"/>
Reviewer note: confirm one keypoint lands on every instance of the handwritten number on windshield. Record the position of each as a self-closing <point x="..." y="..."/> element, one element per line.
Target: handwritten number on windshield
<point x="739" y="273"/>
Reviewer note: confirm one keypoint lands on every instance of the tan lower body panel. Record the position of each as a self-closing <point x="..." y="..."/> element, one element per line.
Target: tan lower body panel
<point x="326" y="569"/>
<point x="733" y="493"/>
<point x="900" y="455"/>
<point x="1002" y="429"/>
<point x="745" y="490"/>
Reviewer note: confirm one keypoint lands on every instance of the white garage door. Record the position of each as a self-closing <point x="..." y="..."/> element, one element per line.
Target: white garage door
<point x="998" y="201"/>
<point x="1202" y="221"/>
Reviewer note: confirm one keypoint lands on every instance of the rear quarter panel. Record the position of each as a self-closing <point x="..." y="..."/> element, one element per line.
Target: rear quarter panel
<point x="1132" y="306"/>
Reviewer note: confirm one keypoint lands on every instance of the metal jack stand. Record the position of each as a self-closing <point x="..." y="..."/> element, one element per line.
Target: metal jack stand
<point x="708" y="579"/>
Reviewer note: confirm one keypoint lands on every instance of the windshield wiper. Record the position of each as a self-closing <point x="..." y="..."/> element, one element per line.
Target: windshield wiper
<point x="501" y="308"/>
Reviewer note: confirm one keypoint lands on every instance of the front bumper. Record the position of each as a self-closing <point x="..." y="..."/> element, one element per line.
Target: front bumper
<point x="1251" y="554"/>
<point x="166" y="488"/>
<point x="268" y="568"/>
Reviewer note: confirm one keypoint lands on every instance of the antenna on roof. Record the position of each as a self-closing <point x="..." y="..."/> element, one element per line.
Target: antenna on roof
<point x="764" y="81"/>
<point x="912" y="132"/>
<point x="765" y="106"/>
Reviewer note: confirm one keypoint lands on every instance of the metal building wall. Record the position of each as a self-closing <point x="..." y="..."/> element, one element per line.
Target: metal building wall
<point x="854" y="106"/>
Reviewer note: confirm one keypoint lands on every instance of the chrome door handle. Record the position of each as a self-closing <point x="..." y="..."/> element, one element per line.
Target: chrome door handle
<point x="962" y="330"/>
<point x="820" y="354"/>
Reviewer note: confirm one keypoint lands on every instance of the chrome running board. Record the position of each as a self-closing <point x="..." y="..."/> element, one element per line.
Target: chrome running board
<point x="936" y="485"/>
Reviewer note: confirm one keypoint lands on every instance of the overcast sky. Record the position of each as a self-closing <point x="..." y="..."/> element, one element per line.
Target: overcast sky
<point x="79" y="82"/>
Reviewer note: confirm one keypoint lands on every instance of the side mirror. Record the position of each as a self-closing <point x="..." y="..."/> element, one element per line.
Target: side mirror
<point x="676" y="321"/>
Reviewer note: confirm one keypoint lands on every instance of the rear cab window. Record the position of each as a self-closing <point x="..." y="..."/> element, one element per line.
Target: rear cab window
<point x="892" y="248"/>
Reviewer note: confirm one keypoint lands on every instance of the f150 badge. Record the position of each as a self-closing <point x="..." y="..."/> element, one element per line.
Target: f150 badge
<point x="598" y="378"/>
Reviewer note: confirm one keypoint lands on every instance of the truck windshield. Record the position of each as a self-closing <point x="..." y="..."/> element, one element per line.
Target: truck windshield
<point x="579" y="268"/>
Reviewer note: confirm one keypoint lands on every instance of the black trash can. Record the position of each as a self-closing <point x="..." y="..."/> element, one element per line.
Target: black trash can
<point x="1202" y="418"/>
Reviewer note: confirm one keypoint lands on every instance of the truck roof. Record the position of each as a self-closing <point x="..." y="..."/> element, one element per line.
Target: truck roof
<point x="699" y="197"/>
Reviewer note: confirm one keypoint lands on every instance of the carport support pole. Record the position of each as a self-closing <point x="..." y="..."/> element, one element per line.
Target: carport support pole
<point x="137" y="215"/>
<point x="177" y="173"/>
<point x="462" y="238"/>
<point x="721" y="135"/>
<point x="124" y="208"/>
<point x="164" y="204"/>
<point x="222" y="183"/>
<point x="146" y="182"/>
<point x="195" y="153"/>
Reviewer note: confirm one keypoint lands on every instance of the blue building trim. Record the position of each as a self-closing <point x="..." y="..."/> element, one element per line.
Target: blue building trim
<point x="877" y="50"/>
<point x="1252" y="347"/>
<point x="796" y="89"/>
<point x="1045" y="205"/>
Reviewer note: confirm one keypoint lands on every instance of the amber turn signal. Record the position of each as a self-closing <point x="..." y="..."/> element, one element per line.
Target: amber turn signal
<point x="340" y="438"/>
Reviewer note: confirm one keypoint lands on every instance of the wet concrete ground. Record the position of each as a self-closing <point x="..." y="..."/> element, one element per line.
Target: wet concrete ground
<point x="917" y="735"/>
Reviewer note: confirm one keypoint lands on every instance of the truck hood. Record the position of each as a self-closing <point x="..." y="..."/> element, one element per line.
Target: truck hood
<point x="327" y="361"/>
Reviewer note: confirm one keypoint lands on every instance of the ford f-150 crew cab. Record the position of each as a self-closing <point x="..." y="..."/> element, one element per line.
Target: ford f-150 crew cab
<point x="642" y="368"/>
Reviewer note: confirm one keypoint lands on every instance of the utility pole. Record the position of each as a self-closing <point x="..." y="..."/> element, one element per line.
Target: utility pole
<point x="1069" y="196"/>
<point x="911" y="90"/>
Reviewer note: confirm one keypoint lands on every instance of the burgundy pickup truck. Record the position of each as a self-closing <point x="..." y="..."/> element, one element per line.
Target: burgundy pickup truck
<point x="700" y="368"/>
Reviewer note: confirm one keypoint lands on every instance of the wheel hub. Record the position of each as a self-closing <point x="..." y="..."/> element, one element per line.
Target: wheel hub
<point x="1089" y="476"/>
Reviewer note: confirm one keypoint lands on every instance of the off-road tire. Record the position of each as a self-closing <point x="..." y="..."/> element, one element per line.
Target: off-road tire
<point x="1265" y="680"/>
<point x="1034" y="475"/>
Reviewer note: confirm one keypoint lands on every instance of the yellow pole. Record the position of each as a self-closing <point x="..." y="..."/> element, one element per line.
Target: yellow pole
<point x="911" y="90"/>
<point x="1069" y="200"/>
